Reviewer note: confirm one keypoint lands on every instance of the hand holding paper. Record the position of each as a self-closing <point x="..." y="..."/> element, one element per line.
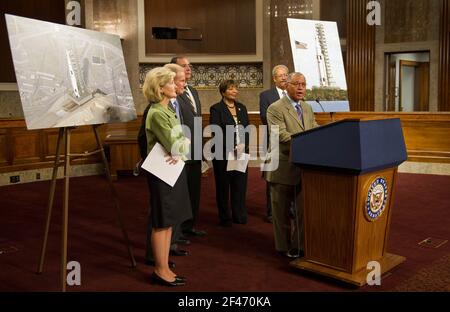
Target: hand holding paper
<point x="172" y="160"/>
<point x="157" y="164"/>
<point x="237" y="164"/>
<point x="239" y="149"/>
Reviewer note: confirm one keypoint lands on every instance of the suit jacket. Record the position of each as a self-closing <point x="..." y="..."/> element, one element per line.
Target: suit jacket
<point x="142" y="136"/>
<point x="196" y="99"/>
<point x="265" y="99"/>
<point x="160" y="127"/>
<point x="188" y="114"/>
<point x="221" y="116"/>
<point x="283" y="114"/>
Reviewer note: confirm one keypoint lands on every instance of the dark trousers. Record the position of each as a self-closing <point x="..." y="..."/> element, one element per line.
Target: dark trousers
<point x="228" y="183"/>
<point x="268" y="201"/>
<point x="194" y="177"/>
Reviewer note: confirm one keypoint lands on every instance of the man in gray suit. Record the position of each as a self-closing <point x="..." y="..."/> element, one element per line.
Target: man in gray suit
<point x="267" y="97"/>
<point x="290" y="115"/>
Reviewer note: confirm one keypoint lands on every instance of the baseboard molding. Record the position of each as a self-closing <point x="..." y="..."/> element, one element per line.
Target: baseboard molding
<point x="44" y="174"/>
<point x="424" y="168"/>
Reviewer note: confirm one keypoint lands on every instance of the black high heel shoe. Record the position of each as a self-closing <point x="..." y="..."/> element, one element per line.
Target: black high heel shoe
<point x="159" y="280"/>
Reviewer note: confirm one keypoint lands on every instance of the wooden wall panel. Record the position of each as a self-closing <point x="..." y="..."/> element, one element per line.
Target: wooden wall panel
<point x="444" y="58"/>
<point x="4" y="150"/>
<point x="21" y="149"/>
<point x="83" y="140"/>
<point x="427" y="138"/>
<point x="280" y="43"/>
<point x="49" y="144"/>
<point x="47" y="10"/>
<point x="25" y="146"/>
<point x="335" y="10"/>
<point x="227" y="27"/>
<point x="406" y="20"/>
<point x="360" y="54"/>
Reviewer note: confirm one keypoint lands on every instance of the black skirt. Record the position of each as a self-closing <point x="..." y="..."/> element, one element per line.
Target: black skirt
<point x="169" y="206"/>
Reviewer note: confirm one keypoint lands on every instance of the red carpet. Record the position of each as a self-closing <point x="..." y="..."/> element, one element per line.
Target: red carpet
<point x="241" y="258"/>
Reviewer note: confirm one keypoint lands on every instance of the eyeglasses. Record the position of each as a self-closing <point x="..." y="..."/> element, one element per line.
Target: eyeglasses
<point x="281" y="75"/>
<point x="297" y="84"/>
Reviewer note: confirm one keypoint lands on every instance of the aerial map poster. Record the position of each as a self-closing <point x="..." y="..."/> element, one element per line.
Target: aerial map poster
<point x="316" y="52"/>
<point x="68" y="76"/>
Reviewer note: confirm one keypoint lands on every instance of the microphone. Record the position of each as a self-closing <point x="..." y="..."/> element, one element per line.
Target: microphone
<point x="318" y="102"/>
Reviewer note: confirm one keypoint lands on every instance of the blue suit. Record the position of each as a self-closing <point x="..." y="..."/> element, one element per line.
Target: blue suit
<point x="266" y="98"/>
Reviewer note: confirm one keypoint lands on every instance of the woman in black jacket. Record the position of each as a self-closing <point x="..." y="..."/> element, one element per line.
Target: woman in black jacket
<point x="230" y="185"/>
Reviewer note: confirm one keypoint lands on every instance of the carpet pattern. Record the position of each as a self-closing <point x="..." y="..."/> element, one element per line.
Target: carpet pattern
<point x="240" y="258"/>
<point x="435" y="277"/>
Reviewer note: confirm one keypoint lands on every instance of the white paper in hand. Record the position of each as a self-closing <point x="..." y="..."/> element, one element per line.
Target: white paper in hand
<point x="156" y="164"/>
<point x="239" y="164"/>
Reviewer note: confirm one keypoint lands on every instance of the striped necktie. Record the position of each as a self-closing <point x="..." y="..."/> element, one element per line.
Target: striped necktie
<point x="188" y="95"/>
<point x="300" y="114"/>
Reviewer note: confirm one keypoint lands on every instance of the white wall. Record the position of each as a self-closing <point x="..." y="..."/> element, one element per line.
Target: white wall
<point x="407" y="90"/>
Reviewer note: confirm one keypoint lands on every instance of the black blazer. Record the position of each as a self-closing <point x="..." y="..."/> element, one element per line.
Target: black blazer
<point x="265" y="99"/>
<point x="142" y="135"/>
<point x="188" y="114"/>
<point x="185" y="100"/>
<point x="221" y="116"/>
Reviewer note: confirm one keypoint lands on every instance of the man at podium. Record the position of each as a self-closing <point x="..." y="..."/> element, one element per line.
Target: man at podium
<point x="288" y="116"/>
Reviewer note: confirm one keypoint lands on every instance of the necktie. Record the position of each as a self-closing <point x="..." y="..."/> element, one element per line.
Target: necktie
<point x="299" y="113"/>
<point x="188" y="95"/>
<point x="177" y="110"/>
<point x="283" y="93"/>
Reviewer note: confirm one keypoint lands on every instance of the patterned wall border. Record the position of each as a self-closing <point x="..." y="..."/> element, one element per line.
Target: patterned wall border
<point x="208" y="76"/>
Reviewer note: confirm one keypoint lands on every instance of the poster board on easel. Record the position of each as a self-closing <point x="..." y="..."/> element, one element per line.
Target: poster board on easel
<point x="69" y="77"/>
<point x="316" y="52"/>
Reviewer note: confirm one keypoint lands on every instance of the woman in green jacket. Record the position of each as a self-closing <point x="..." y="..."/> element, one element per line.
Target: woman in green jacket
<point x="168" y="205"/>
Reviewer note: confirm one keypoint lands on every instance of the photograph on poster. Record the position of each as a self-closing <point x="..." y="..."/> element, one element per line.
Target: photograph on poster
<point x="68" y="76"/>
<point x="316" y="52"/>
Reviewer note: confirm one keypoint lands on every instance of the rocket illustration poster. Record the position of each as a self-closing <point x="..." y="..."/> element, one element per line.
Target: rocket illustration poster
<point x="316" y="52"/>
<point x="68" y="76"/>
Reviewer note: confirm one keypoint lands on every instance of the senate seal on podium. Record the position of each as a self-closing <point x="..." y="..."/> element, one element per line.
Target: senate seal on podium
<point x="376" y="199"/>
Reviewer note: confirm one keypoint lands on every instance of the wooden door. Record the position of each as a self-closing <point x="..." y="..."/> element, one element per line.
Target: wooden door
<point x="390" y="96"/>
<point x="421" y="84"/>
<point x="422" y="87"/>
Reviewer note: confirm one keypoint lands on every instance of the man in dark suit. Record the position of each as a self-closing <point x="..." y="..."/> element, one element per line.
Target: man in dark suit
<point x="291" y="114"/>
<point x="267" y="97"/>
<point x="191" y="110"/>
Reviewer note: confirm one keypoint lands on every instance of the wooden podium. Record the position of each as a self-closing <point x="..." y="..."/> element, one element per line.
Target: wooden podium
<point x="349" y="171"/>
